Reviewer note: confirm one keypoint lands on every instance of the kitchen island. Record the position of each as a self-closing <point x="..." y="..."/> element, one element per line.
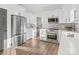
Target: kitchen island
<point x="69" y="41"/>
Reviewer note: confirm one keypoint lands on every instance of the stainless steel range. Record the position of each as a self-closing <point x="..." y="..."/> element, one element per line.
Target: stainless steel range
<point x="52" y="34"/>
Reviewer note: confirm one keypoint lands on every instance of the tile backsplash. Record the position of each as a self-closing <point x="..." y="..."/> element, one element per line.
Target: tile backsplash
<point x="61" y="26"/>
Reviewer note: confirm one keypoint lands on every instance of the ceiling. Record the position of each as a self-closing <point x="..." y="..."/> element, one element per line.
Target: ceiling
<point x="34" y="8"/>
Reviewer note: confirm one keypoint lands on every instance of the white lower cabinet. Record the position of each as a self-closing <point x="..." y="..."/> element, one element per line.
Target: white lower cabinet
<point x="43" y="34"/>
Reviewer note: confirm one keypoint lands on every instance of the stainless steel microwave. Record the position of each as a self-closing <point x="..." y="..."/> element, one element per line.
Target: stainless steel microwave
<point x="53" y="20"/>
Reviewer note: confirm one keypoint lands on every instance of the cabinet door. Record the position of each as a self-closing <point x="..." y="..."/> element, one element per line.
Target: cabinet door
<point x="72" y="16"/>
<point x="65" y="15"/>
<point x="43" y="34"/>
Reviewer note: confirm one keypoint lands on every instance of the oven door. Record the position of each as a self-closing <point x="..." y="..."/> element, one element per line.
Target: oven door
<point x="52" y="36"/>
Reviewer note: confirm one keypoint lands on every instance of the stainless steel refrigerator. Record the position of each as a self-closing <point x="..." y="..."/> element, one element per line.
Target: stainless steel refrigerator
<point x="17" y="30"/>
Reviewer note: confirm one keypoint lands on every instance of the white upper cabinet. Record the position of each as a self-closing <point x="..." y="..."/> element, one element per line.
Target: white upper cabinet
<point x="68" y="14"/>
<point x="77" y="13"/>
<point x="73" y="15"/>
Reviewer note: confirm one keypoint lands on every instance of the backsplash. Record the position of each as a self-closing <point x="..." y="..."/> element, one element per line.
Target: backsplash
<point x="61" y="26"/>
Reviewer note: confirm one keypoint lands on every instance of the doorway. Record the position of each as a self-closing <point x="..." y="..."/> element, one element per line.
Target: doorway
<point x="39" y="25"/>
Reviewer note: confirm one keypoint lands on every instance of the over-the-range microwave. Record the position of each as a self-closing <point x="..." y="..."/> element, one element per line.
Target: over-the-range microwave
<point x="53" y="20"/>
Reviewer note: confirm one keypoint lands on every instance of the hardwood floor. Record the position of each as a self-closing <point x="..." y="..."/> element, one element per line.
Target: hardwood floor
<point x="1" y="52"/>
<point x="43" y="48"/>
